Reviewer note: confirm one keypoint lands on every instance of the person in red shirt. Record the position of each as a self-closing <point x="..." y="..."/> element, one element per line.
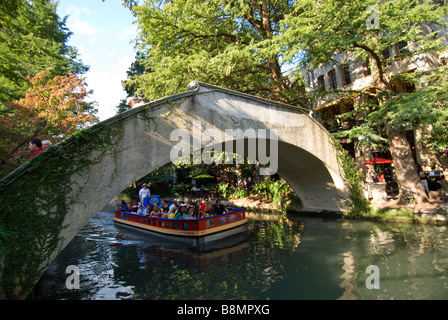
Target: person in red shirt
<point x="207" y="207"/>
<point x="35" y="146"/>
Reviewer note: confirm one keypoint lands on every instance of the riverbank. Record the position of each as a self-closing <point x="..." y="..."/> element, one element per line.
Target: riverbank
<point x="435" y="212"/>
<point x="431" y="213"/>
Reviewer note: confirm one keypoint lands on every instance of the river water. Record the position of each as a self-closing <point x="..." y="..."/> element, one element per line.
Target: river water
<point x="281" y="257"/>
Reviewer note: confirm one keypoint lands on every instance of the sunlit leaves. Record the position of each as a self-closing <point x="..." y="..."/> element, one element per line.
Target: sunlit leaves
<point x="218" y="42"/>
<point x="53" y="108"/>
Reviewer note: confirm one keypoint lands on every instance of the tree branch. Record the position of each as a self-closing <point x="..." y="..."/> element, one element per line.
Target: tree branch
<point x="377" y="61"/>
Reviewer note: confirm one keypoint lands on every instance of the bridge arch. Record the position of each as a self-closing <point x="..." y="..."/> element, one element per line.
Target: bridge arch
<point x="140" y="140"/>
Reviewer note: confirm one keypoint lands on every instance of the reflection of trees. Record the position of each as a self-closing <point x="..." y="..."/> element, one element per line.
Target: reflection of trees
<point x="240" y="278"/>
<point x="412" y="259"/>
<point x="278" y="231"/>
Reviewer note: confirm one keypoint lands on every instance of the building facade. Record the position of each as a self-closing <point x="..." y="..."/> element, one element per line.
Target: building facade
<point x="342" y="85"/>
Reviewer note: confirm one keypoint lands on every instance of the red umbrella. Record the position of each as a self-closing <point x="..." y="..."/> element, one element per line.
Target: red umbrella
<point x="378" y="160"/>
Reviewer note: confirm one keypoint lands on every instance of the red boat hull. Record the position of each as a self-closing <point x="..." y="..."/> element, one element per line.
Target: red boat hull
<point x="193" y="231"/>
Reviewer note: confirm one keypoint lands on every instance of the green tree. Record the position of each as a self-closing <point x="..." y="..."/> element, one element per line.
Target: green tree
<point x="318" y="30"/>
<point x="53" y="108"/>
<point x="32" y="39"/>
<point x="436" y="99"/>
<point x="214" y="42"/>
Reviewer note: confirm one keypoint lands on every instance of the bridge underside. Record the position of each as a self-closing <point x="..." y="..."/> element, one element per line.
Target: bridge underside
<point x="308" y="176"/>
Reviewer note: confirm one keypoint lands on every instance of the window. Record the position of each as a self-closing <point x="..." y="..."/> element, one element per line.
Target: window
<point x="321" y="83"/>
<point x="402" y="47"/>
<point x="386" y="53"/>
<point x="367" y="70"/>
<point x="332" y="77"/>
<point x="210" y="223"/>
<point x="346" y="74"/>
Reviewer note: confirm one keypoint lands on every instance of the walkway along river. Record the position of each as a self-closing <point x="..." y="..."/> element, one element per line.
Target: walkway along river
<point x="281" y="257"/>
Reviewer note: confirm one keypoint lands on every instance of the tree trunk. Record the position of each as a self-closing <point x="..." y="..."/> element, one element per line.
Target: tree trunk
<point x="405" y="168"/>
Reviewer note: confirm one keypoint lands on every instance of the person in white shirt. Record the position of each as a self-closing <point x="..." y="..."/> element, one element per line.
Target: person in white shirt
<point x="143" y="193"/>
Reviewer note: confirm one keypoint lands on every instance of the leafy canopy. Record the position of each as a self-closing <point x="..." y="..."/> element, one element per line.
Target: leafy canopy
<point x="215" y="42"/>
<point x="318" y="30"/>
<point x="32" y="39"/>
<point x="53" y="108"/>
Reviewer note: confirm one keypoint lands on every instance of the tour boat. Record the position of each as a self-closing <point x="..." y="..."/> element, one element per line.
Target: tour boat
<point x="195" y="232"/>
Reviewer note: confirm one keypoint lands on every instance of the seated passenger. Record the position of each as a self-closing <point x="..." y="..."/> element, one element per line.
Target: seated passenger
<point x="158" y="213"/>
<point x="165" y="212"/>
<point x="197" y="213"/>
<point x="162" y="204"/>
<point x="207" y="208"/>
<point x="124" y="206"/>
<point x="219" y="208"/>
<point x="204" y="205"/>
<point x="189" y="214"/>
<point x="172" y="211"/>
<point x="180" y="213"/>
<point x="140" y="209"/>
<point x="147" y="210"/>
<point x="154" y="211"/>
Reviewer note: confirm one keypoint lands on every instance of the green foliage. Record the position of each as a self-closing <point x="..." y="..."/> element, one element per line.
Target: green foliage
<point x="278" y="191"/>
<point x="180" y="188"/>
<point x="215" y="42"/>
<point x="35" y="200"/>
<point x="358" y="205"/>
<point x="324" y="28"/>
<point x="224" y="189"/>
<point x="319" y="30"/>
<point x="435" y="96"/>
<point x="4" y="234"/>
<point x="32" y="39"/>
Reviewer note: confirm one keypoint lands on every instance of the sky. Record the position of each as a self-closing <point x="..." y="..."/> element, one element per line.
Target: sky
<point x="103" y="33"/>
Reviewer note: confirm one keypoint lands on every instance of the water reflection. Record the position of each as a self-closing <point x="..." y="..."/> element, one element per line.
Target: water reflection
<point x="412" y="260"/>
<point x="281" y="257"/>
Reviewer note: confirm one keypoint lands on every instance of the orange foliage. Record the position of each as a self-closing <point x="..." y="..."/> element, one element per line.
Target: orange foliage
<point x="51" y="109"/>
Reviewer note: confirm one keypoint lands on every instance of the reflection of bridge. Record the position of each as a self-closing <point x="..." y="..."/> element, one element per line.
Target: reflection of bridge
<point x="113" y="154"/>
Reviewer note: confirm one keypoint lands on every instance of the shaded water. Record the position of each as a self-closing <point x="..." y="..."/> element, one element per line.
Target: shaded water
<point x="292" y="257"/>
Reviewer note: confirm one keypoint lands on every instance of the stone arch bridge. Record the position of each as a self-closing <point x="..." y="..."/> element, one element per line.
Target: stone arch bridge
<point x="111" y="155"/>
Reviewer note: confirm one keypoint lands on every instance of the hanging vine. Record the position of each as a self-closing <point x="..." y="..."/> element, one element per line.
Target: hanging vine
<point x="358" y="205"/>
<point x="35" y="200"/>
